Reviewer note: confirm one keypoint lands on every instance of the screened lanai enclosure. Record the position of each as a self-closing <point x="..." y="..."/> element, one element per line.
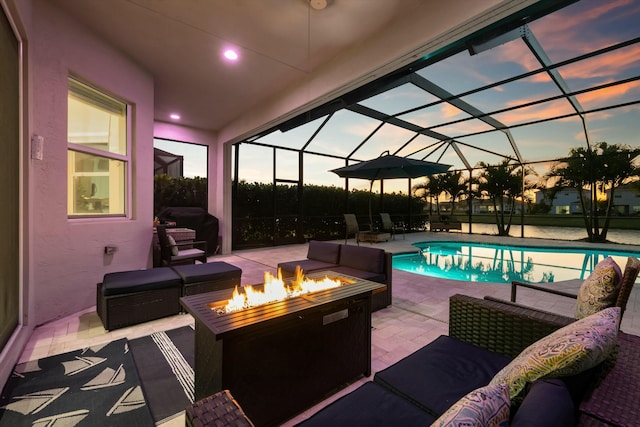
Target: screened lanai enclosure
<point x="556" y="76"/>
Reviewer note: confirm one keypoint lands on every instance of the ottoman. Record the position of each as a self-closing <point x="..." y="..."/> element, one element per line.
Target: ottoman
<point x="130" y="297"/>
<point x="209" y="277"/>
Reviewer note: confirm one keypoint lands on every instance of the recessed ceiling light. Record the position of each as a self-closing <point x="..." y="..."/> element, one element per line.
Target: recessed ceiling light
<point x="231" y="55"/>
<point x="318" y="4"/>
<point x="175" y="116"/>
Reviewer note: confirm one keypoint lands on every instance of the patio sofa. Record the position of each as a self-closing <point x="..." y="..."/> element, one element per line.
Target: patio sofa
<point x="367" y="263"/>
<point x="484" y="336"/>
<point x="127" y="298"/>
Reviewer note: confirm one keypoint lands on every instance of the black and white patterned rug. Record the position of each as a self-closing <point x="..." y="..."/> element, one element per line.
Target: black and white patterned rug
<point x="95" y="386"/>
<point x="165" y="362"/>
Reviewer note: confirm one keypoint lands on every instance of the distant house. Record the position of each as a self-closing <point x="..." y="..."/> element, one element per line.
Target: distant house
<point x="484" y="206"/>
<point x="566" y="201"/>
<point x="626" y="200"/>
<point x="167" y="163"/>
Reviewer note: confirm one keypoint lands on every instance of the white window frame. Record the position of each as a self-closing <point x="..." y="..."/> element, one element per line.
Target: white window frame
<point x="125" y="158"/>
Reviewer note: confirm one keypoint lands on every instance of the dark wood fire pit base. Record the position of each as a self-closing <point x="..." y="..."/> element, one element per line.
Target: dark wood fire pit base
<point x="280" y="359"/>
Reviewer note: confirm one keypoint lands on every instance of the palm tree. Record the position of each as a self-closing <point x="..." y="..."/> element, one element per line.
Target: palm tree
<point x="603" y="168"/>
<point x="503" y="184"/>
<point x="453" y="184"/>
<point x="432" y="187"/>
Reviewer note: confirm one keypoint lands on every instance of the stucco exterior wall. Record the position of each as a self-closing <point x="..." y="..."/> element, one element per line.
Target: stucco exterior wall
<point x="67" y="256"/>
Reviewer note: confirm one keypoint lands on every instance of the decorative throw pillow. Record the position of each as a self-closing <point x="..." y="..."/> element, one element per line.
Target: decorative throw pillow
<point x="600" y="289"/>
<point x="174" y="248"/>
<point x="568" y="351"/>
<point x="485" y="406"/>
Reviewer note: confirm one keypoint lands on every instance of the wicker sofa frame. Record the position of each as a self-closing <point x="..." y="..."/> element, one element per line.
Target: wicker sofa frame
<point x="508" y="329"/>
<point x="350" y="260"/>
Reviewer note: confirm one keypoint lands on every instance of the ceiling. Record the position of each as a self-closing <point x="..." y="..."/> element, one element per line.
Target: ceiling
<point x="280" y="43"/>
<point x="570" y="77"/>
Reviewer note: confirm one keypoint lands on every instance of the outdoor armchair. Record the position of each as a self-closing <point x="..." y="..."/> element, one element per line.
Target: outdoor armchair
<point x="180" y="253"/>
<point x="628" y="280"/>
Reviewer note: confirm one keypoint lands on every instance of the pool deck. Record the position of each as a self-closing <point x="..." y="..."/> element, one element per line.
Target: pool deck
<point x="418" y="315"/>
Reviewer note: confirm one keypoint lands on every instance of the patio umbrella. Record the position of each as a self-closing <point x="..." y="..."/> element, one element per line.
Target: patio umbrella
<point x="388" y="166"/>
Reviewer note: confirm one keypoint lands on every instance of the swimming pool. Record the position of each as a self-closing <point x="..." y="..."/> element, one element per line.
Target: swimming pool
<point x="480" y="262"/>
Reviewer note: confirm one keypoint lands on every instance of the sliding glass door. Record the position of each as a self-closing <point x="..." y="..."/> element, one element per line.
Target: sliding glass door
<point x="9" y="177"/>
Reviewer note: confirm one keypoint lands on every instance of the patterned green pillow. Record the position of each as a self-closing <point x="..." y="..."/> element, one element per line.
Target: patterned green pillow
<point x="567" y="351"/>
<point x="600" y="289"/>
<point x="485" y="406"/>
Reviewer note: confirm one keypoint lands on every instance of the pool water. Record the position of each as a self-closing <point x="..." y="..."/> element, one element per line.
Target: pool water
<point x="479" y="262"/>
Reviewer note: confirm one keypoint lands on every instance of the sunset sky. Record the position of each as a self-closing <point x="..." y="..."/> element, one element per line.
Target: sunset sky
<point x="578" y="29"/>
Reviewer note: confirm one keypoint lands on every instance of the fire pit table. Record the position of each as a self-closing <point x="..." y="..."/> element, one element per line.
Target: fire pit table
<point x="280" y="358"/>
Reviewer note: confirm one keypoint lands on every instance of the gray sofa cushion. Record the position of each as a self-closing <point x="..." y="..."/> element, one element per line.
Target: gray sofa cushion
<point x="362" y="274"/>
<point x="323" y="251"/>
<point x="307" y="265"/>
<point x="440" y="373"/>
<point x="361" y="258"/>
<point x="369" y="405"/>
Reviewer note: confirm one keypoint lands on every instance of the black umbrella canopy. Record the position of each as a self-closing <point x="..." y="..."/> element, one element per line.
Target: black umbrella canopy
<point x="390" y="167"/>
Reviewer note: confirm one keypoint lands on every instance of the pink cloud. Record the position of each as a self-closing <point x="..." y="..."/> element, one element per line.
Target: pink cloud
<point x="607" y="65"/>
<point x="608" y="95"/>
<point x="565" y="29"/>
<point x="449" y="111"/>
<point x="562" y="35"/>
<point x="535" y="112"/>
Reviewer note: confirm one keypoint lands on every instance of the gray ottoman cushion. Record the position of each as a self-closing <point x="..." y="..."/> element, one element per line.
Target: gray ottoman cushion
<point x="124" y="282"/>
<point x="193" y="273"/>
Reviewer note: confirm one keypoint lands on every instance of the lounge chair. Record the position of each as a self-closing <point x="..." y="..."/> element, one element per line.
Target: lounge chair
<point x="391" y="227"/>
<point x="352" y="228"/>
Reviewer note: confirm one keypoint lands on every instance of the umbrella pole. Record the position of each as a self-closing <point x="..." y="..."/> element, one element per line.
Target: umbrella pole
<point x="370" y="197"/>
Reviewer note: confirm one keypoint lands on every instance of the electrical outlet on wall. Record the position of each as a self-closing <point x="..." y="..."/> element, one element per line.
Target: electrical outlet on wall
<point x="37" y="147"/>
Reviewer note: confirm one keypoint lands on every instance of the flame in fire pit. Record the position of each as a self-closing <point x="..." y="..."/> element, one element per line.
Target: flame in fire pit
<point x="275" y="289"/>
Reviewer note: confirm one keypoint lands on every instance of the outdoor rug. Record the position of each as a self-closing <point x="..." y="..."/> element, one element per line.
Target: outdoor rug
<point x="165" y="362"/>
<point x="96" y="386"/>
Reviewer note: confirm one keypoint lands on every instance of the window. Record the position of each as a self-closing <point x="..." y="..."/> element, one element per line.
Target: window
<point x="98" y="153"/>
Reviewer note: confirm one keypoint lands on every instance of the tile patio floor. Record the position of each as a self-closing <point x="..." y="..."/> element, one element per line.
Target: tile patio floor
<point x="418" y="315"/>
